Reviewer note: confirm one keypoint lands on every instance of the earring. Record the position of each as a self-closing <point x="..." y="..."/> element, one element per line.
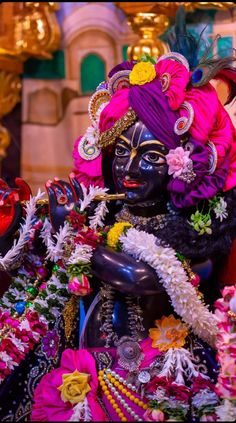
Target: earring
<point x="183" y="124"/>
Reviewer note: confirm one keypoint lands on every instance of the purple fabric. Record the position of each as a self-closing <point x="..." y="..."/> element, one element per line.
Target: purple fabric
<point x="204" y="186"/>
<point x="153" y="110"/>
<point x="126" y="65"/>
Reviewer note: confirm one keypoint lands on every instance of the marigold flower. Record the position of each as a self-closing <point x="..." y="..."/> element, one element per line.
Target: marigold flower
<point x="142" y="73"/>
<point x="115" y="232"/>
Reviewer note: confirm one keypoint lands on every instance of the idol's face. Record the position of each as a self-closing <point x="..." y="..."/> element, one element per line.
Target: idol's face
<point x="139" y="167"/>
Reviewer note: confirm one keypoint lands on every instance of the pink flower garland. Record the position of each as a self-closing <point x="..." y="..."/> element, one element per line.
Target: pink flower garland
<point x="19" y="337"/>
<point x="226" y="343"/>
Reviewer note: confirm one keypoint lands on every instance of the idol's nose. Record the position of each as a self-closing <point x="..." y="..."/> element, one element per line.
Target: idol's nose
<point x="132" y="167"/>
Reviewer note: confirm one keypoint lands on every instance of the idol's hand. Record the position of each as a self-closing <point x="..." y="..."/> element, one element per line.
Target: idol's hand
<point x="11" y="211"/>
<point x="124" y="273"/>
<point x="63" y="196"/>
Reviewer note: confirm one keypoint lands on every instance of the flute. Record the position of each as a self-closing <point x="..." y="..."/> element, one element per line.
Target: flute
<point x="101" y="197"/>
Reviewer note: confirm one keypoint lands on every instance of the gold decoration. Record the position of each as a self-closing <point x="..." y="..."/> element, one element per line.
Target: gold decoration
<point x="69" y="314"/>
<point x="148" y="26"/>
<point x="4" y="141"/>
<point x="108" y="137"/>
<point x="151" y="19"/>
<point x="26" y="29"/>
<point x="232" y="315"/>
<point x="29" y="29"/>
<point x="10" y="86"/>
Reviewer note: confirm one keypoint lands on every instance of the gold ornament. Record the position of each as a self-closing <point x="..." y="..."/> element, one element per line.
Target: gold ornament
<point x="69" y="313"/>
<point x="150" y="20"/>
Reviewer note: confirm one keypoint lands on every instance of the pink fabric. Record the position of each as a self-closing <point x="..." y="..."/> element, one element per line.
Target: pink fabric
<point x="88" y="172"/>
<point x="179" y="79"/>
<point x="212" y="122"/>
<point x="150" y="354"/>
<point x="48" y="405"/>
<point x="205" y="104"/>
<point x="114" y="110"/>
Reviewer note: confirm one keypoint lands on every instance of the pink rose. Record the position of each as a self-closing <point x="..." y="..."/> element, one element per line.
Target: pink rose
<point x="79" y="285"/>
<point x="178" y="161"/>
<point x="208" y="418"/>
<point x="221" y="305"/>
<point x="226" y="387"/>
<point x="228" y="367"/>
<point x="154" y="416"/>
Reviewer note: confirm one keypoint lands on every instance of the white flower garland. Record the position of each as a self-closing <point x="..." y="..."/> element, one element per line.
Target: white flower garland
<point x="89" y="195"/>
<point x="82" y="254"/>
<point x="18" y="245"/>
<point x="144" y="246"/>
<point x="226" y="412"/>
<point x="99" y="216"/>
<point x="55" y="248"/>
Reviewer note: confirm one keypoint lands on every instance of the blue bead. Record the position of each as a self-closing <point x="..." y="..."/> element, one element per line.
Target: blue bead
<point x="20" y="307"/>
<point x="197" y="76"/>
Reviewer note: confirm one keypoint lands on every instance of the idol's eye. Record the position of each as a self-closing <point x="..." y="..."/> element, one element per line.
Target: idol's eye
<point x="153" y="157"/>
<point x="121" y="151"/>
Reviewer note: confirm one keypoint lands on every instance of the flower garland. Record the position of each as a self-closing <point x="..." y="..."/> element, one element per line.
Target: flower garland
<point x="226" y="341"/>
<point x="11" y="256"/>
<point x="144" y="246"/>
<point x="18" y="337"/>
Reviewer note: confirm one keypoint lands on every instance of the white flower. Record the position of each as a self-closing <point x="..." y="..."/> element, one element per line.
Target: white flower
<point x="24" y="325"/>
<point x="226" y="412"/>
<point x="8" y="360"/>
<point x="91" y="134"/>
<point x="205" y="397"/>
<point x="18" y="343"/>
<point x="220" y="210"/>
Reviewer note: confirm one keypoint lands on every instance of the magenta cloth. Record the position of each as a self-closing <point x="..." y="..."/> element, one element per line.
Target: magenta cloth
<point x="116" y="108"/>
<point x="48" y="405"/>
<point x="150" y="354"/>
<point x="180" y="77"/>
<point x="88" y="172"/>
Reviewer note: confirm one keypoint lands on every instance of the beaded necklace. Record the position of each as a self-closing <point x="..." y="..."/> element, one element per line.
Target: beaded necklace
<point x="115" y="388"/>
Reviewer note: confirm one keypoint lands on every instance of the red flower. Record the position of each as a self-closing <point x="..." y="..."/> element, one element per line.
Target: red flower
<point x="200" y="383"/>
<point x="89" y="237"/>
<point x="157" y="382"/>
<point x="77" y="220"/>
<point x="180" y="392"/>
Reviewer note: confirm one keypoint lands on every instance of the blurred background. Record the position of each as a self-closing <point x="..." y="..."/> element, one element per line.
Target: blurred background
<point x="53" y="56"/>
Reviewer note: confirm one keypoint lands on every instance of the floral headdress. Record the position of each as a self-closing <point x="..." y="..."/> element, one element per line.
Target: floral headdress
<point x="195" y="127"/>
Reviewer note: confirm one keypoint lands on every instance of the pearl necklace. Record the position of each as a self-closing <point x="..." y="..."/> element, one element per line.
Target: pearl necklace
<point x="111" y="383"/>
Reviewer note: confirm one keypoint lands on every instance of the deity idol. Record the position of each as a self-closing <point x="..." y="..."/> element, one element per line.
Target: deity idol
<point x="145" y="270"/>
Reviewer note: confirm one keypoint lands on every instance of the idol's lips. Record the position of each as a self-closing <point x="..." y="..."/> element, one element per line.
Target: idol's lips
<point x="131" y="184"/>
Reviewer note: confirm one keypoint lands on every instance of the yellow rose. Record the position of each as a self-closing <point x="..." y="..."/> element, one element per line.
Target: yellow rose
<point x="75" y="386"/>
<point x="141" y="73"/>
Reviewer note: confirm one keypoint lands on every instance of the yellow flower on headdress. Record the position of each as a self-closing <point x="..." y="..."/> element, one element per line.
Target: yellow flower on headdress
<point x="169" y="333"/>
<point x="74" y="387"/>
<point x="115" y="232"/>
<point x="142" y="73"/>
